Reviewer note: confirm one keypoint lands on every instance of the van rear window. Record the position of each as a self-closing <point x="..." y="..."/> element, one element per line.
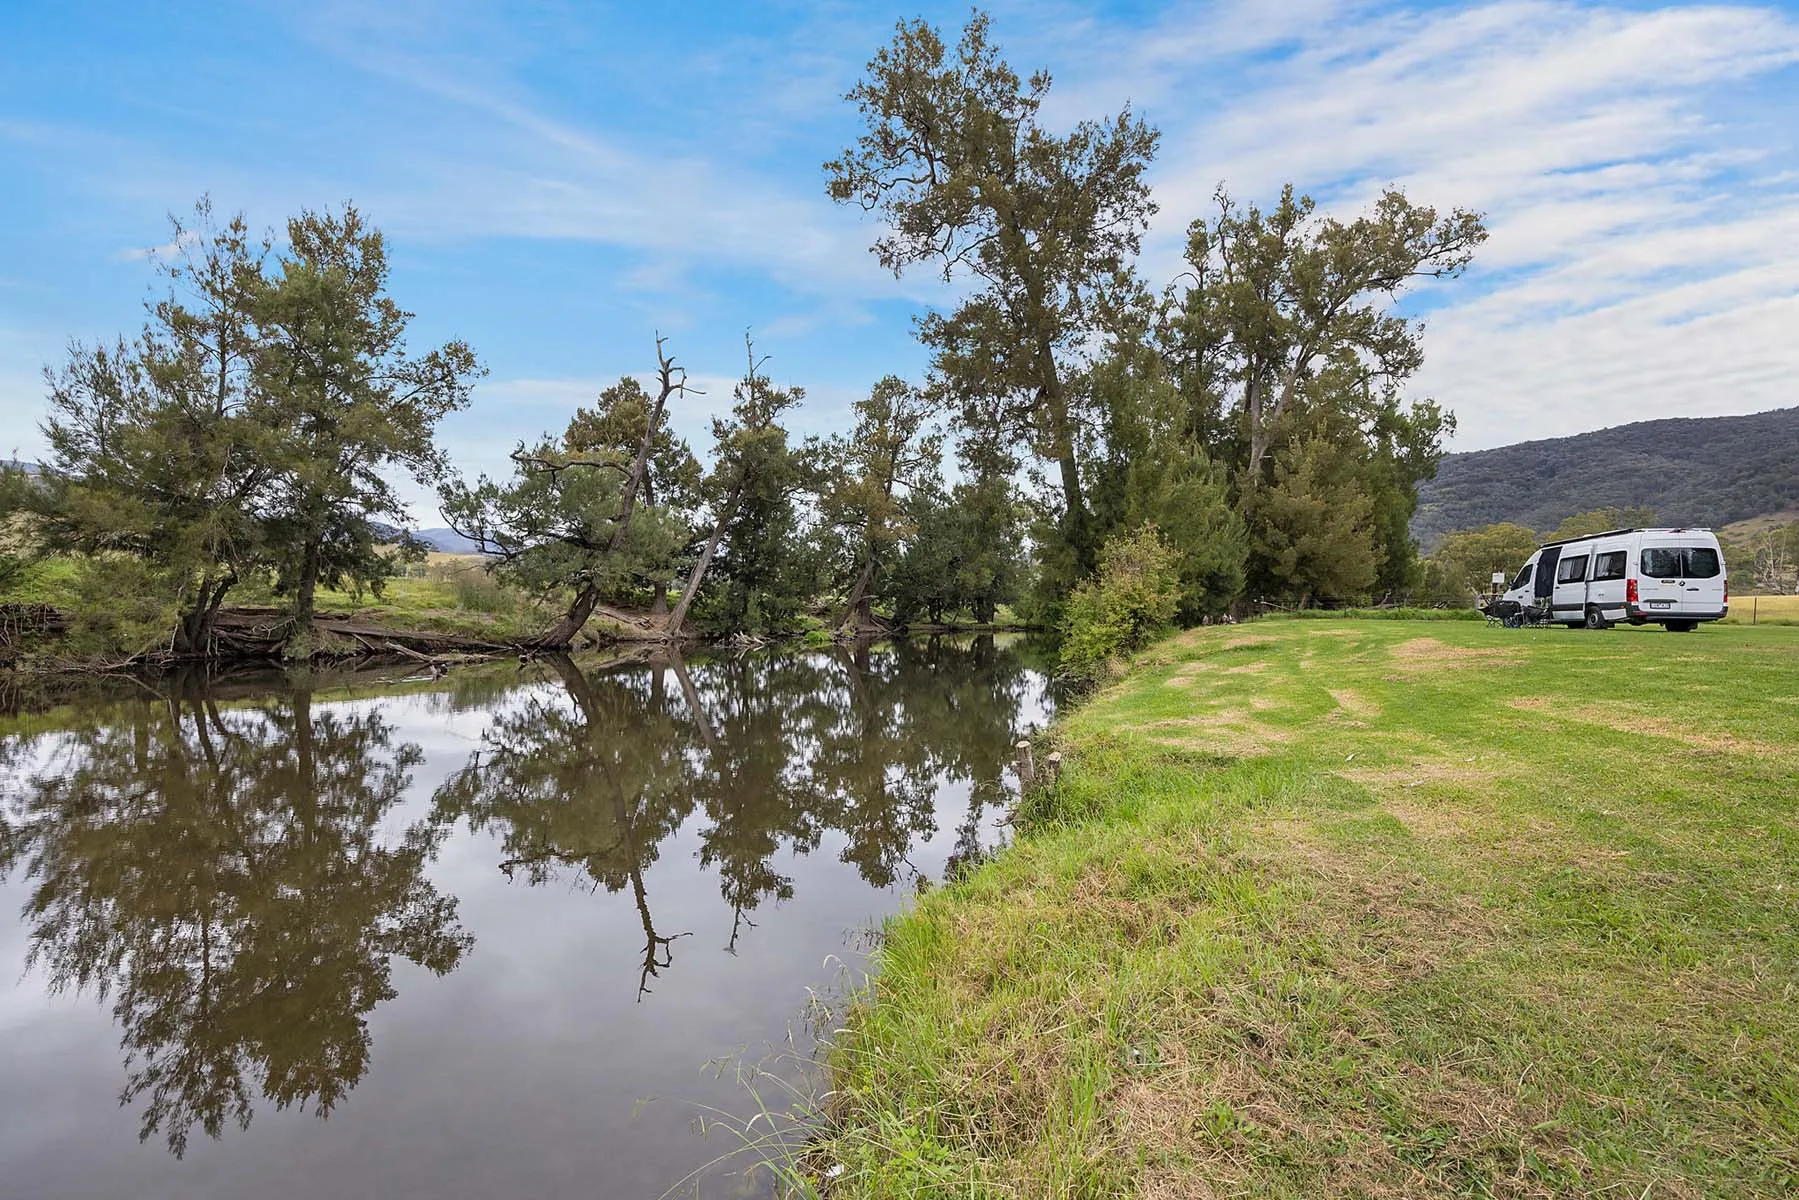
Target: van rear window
<point x="1700" y="562"/>
<point x="1609" y="565"/>
<point x="1682" y="562"/>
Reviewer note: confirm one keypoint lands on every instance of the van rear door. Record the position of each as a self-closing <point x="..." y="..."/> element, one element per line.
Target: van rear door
<point x="1660" y="589"/>
<point x="1702" y="576"/>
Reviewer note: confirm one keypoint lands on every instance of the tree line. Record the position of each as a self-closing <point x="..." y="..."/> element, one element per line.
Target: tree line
<point x="1249" y="418"/>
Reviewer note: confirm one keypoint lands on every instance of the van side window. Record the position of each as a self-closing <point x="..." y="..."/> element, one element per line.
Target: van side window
<point x="1699" y="562"/>
<point x="1571" y="570"/>
<point x="1524" y="575"/>
<point x="1663" y="562"/>
<point x="1609" y="565"/>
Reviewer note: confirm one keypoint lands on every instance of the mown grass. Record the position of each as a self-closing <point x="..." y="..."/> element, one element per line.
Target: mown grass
<point x="1366" y="909"/>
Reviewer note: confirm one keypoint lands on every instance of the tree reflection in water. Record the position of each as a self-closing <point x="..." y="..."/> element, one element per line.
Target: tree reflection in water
<point x="771" y="752"/>
<point x="222" y="878"/>
<point x="229" y="879"/>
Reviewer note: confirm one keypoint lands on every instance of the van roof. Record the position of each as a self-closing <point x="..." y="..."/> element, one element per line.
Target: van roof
<point x="1589" y="537"/>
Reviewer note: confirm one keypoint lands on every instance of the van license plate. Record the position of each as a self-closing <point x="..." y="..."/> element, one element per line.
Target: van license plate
<point x="1661" y="604"/>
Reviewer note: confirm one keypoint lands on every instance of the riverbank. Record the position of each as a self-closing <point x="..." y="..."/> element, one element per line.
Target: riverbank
<point x="1366" y="908"/>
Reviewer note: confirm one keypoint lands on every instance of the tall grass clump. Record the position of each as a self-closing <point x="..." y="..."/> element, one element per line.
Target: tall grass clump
<point x="472" y="586"/>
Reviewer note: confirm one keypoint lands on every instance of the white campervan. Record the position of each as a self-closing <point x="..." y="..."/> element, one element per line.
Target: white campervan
<point x="1673" y="577"/>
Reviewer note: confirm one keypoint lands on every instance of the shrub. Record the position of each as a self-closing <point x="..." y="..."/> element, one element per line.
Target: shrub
<point x="1135" y="594"/>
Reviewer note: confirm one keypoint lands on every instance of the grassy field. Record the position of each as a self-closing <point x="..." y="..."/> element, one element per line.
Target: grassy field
<point x="454" y="595"/>
<point x="1366" y="908"/>
<point x="1763" y="610"/>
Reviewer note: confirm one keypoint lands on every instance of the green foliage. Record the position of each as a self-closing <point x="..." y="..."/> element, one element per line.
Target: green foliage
<point x="890" y="455"/>
<point x="160" y="447"/>
<point x="120" y="606"/>
<point x="553" y="526"/>
<point x="1286" y="336"/>
<point x="1137" y="592"/>
<point x="767" y="571"/>
<point x="966" y="553"/>
<point x="1603" y="520"/>
<point x="1767" y="558"/>
<point x="1463" y="563"/>
<point x="352" y="404"/>
<point x="1692" y="471"/>
<point x="251" y="428"/>
<point x="1184" y="496"/>
<point x="954" y="159"/>
<point x="1312" y="528"/>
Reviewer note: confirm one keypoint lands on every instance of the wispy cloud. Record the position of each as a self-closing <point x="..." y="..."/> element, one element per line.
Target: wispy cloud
<point x="1642" y="260"/>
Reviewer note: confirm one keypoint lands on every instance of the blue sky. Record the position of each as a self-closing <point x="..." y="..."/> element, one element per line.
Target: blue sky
<point x="558" y="181"/>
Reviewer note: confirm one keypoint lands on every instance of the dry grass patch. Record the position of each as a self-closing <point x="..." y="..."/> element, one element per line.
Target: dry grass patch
<point x="1354" y="703"/>
<point x="1186" y="674"/>
<point x="1427" y="653"/>
<point x="1626" y="720"/>
<point x="1230" y="732"/>
<point x="1417" y="774"/>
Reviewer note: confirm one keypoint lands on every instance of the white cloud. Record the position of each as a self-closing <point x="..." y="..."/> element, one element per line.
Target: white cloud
<point x="1643" y="259"/>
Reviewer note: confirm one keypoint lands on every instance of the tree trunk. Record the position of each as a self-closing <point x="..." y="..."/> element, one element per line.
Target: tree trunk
<point x="640" y="465"/>
<point x="1258" y="439"/>
<point x="306" y="594"/>
<point x="692" y="696"/>
<point x="564" y="631"/>
<point x="659" y="606"/>
<point x="196" y="624"/>
<point x="860" y="610"/>
<point x="1074" y="503"/>
<point x="700" y="568"/>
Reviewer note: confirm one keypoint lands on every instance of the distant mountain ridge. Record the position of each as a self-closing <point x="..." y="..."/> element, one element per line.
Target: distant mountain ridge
<point x="1706" y="471"/>
<point x="446" y="541"/>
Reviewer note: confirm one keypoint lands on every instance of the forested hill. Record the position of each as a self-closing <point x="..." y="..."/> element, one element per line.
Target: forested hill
<point x="1690" y="470"/>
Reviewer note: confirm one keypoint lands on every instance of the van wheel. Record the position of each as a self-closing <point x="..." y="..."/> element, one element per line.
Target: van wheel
<point x="1595" y="620"/>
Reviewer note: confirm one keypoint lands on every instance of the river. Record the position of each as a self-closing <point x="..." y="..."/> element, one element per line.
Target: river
<point x="490" y="935"/>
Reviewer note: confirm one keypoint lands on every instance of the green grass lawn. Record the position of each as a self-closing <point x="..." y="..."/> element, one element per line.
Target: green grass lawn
<point x="1366" y="908"/>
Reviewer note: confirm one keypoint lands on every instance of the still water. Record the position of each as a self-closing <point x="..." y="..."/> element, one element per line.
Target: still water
<point x="475" y="937"/>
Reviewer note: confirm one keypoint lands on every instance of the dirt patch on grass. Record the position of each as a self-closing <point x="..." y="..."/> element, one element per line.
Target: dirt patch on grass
<point x="1628" y="721"/>
<point x="1427" y="653"/>
<point x="1354" y="703"/>
<point x="1254" y="668"/>
<point x="1245" y="641"/>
